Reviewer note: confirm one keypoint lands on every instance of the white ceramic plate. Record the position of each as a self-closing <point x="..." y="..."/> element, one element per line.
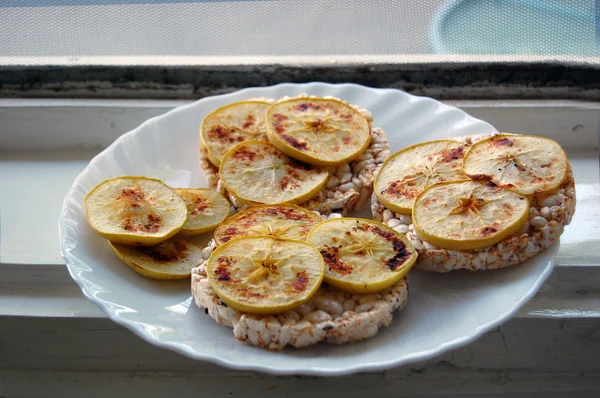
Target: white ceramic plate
<point x="444" y="311"/>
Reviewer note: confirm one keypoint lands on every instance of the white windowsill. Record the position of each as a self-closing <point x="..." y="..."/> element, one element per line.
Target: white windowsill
<point x="44" y="144"/>
<point x="62" y="342"/>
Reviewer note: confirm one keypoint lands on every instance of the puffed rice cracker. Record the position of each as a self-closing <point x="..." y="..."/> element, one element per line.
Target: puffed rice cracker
<point x="330" y="316"/>
<point x="548" y="216"/>
<point x="348" y="187"/>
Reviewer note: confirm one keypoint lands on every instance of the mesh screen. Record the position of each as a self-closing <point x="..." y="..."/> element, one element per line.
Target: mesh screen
<point x="125" y="31"/>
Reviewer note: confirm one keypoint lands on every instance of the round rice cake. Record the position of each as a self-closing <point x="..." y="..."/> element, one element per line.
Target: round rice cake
<point x="348" y="187"/>
<point x="549" y="213"/>
<point x="331" y="315"/>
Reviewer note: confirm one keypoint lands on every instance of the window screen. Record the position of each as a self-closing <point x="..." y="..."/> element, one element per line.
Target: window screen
<point x="210" y="31"/>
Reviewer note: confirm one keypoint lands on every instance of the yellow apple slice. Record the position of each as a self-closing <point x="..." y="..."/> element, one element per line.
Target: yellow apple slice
<point x="523" y="163"/>
<point x="231" y="124"/>
<point x="206" y="210"/>
<point x="362" y="256"/>
<point x="265" y="275"/>
<point x="257" y="172"/>
<point x="405" y="174"/>
<point x="467" y="214"/>
<point x="136" y="211"/>
<point x="281" y="221"/>
<point x="171" y="259"/>
<point x="319" y="131"/>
